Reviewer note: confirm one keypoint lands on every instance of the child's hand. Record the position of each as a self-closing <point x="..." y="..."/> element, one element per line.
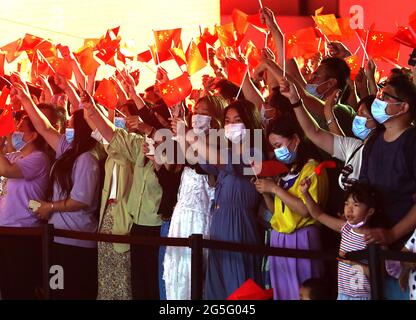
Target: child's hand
<point x="305" y="184"/>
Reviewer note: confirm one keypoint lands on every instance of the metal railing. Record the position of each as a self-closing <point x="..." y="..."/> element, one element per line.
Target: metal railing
<point x="374" y="254"/>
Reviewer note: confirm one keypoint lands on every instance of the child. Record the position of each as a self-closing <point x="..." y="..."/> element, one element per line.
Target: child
<point x="314" y="289"/>
<point x="408" y="273"/>
<point x="359" y="209"/>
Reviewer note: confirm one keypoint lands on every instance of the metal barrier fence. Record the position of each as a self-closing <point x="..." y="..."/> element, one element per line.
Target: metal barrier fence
<point x="374" y="254"/>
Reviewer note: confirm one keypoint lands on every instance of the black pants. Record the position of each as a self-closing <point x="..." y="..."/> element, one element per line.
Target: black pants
<point x="144" y="265"/>
<point x="80" y="272"/>
<point x="20" y="267"/>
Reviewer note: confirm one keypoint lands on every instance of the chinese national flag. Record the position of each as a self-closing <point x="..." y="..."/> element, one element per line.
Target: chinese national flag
<point x="61" y="67"/>
<point x="327" y="23"/>
<point x="346" y="31"/>
<point x="240" y="21"/>
<point x="7" y="125"/>
<point x="236" y="71"/>
<point x="179" y="56"/>
<point x="194" y="58"/>
<point x="255" y="35"/>
<point x="270" y="168"/>
<point x="29" y="42"/>
<point x="405" y="36"/>
<point x="135" y="75"/>
<point x="145" y="56"/>
<point x="40" y="66"/>
<point x="3" y="97"/>
<point x="106" y="94"/>
<point x="209" y="37"/>
<point x="91" y="43"/>
<point x="2" y="59"/>
<point x="382" y="45"/>
<point x="45" y="47"/>
<point x="87" y="61"/>
<point x="256" y="20"/>
<point x="161" y="56"/>
<point x="226" y="35"/>
<point x="176" y="90"/>
<point x="12" y="50"/>
<point x="253" y="56"/>
<point x="354" y="62"/>
<point x="202" y="46"/>
<point x="302" y="42"/>
<point x="250" y="290"/>
<point x="166" y="39"/>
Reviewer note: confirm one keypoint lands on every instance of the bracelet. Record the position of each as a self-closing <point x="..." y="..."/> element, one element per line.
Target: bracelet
<point x="297" y="104"/>
<point x="330" y="121"/>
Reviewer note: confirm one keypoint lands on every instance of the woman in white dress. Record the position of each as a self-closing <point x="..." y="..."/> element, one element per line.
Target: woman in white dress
<point x="192" y="211"/>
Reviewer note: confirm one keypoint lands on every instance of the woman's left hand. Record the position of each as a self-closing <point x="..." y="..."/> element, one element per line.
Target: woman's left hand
<point x="45" y="211"/>
<point x="265" y="185"/>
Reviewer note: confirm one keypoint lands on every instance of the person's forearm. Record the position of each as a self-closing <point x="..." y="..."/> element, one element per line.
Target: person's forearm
<point x="269" y="202"/>
<point x="91" y="83"/>
<point x="251" y="93"/>
<point x="138" y="101"/>
<point x="104" y="126"/>
<point x="38" y="119"/>
<point x="79" y="75"/>
<point x="312" y="206"/>
<point x="278" y="37"/>
<point x="294" y="203"/>
<point x="67" y="205"/>
<point x="405" y="225"/>
<point x="321" y="138"/>
<point x="332" y="122"/>
<point x="5" y="165"/>
<point x="72" y="97"/>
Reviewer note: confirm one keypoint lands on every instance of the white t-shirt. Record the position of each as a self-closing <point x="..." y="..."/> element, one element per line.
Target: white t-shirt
<point x="344" y="147"/>
<point x="411" y="246"/>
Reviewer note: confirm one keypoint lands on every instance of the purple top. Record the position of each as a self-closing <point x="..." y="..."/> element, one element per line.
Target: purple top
<point x="14" y="205"/>
<point x="85" y="177"/>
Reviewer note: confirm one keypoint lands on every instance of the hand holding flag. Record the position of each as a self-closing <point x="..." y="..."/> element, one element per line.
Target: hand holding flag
<point x="323" y="165"/>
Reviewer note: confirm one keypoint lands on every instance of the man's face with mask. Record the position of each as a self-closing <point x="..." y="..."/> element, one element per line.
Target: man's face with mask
<point x="320" y="84"/>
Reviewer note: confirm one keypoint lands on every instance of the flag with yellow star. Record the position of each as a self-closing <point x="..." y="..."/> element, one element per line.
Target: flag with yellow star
<point x="12" y="50"/>
<point x="381" y="45"/>
<point x="406" y="37"/>
<point x="327" y="23"/>
<point x="176" y="90"/>
<point x="40" y="66"/>
<point x="226" y="35"/>
<point x="253" y="56"/>
<point x="166" y="39"/>
<point x="194" y="59"/>
<point x="106" y="94"/>
<point x="87" y="61"/>
<point x="303" y="42"/>
<point x="354" y="62"/>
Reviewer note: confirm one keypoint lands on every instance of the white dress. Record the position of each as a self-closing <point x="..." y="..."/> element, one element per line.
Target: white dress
<point x="191" y="215"/>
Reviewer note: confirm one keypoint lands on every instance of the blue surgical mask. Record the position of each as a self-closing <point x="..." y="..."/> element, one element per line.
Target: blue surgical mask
<point x="120" y="123"/>
<point x="284" y="155"/>
<point x="378" y="110"/>
<point x="69" y="134"/>
<point x="359" y="128"/>
<point x="312" y="88"/>
<point x="17" y="140"/>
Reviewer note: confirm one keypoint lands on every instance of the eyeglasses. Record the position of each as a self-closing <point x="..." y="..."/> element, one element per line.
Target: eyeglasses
<point x="382" y="95"/>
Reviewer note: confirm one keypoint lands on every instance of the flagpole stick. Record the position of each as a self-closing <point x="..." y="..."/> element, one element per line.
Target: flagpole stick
<point x="175" y="61"/>
<point x="365" y="46"/>
<point x="266" y="40"/>
<point x="261" y="4"/>
<point x="311" y="175"/>
<point x="242" y="84"/>
<point x="392" y="62"/>
<point x="319" y="44"/>
<point x="284" y="55"/>
<point x="356" y="51"/>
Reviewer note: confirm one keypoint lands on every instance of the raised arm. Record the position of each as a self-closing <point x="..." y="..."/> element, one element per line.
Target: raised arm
<point x="316" y="212"/>
<point x="39" y="120"/>
<point x="321" y="138"/>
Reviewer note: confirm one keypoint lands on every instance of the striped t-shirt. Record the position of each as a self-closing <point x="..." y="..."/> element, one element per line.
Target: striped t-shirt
<point x="351" y="279"/>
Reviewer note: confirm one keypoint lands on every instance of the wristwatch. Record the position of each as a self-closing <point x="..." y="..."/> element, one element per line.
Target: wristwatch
<point x="297" y="104"/>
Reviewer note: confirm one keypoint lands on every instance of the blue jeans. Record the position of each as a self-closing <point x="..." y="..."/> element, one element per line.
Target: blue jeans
<point x="342" y="296"/>
<point x="164" y="231"/>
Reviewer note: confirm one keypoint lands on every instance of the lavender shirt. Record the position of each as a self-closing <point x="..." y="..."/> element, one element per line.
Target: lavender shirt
<point x="14" y="205"/>
<point x="85" y="177"/>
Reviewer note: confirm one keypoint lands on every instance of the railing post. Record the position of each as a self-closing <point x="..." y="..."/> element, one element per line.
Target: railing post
<point x="47" y="238"/>
<point x="375" y="264"/>
<point x="196" y="242"/>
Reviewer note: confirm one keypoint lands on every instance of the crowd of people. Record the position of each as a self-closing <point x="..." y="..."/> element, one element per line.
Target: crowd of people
<point x="95" y="170"/>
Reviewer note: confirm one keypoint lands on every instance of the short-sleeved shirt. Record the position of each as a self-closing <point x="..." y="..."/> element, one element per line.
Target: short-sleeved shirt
<point x="85" y="177"/>
<point x="385" y="167"/>
<point x="14" y="206"/>
<point x="285" y="220"/>
<point x="351" y="279"/>
<point x="350" y="151"/>
<point x="411" y="246"/>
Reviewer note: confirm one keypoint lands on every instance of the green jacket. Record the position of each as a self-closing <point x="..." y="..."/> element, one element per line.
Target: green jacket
<point x="138" y="190"/>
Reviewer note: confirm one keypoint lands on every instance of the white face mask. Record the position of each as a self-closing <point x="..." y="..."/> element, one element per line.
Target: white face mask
<point x="235" y="132"/>
<point x="201" y="123"/>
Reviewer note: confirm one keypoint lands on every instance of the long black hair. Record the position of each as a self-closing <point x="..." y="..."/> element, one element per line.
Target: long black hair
<point x="83" y="142"/>
<point x="287" y="126"/>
